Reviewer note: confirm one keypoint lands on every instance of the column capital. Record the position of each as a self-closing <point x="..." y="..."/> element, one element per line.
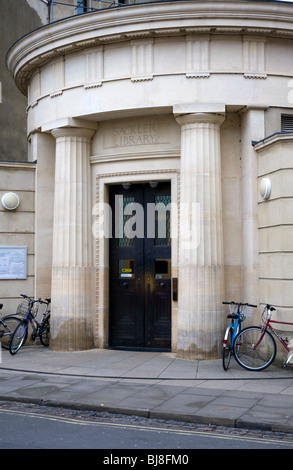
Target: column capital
<point x="72" y="132"/>
<point x="200" y="118"/>
<point x="69" y="122"/>
<point x="198" y="113"/>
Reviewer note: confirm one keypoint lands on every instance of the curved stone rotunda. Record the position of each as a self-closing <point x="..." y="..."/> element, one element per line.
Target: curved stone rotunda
<point x="184" y="105"/>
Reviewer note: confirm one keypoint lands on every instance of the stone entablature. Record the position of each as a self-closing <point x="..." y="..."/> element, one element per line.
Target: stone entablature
<point x="135" y="43"/>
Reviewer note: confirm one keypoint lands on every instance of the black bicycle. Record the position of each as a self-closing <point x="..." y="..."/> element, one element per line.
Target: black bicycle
<point x="8" y="324"/>
<point x="39" y="329"/>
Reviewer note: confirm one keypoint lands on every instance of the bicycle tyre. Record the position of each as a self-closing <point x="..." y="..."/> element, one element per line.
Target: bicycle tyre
<point x="227" y="351"/>
<point x="18" y="338"/>
<point x="251" y="358"/>
<point x="45" y="333"/>
<point x="12" y="322"/>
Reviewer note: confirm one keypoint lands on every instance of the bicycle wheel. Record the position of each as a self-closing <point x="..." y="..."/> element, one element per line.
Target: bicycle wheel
<point x="18" y="338"/>
<point x="7" y="329"/>
<point x="253" y="357"/>
<point x="45" y="333"/>
<point x="227" y="350"/>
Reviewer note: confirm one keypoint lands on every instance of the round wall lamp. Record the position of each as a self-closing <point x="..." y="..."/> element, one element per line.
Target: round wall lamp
<point x="265" y="188"/>
<point x="10" y="201"/>
<point x="153" y="184"/>
<point x="126" y="185"/>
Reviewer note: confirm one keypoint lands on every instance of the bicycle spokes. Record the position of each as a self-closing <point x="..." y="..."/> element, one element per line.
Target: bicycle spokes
<point x="254" y="349"/>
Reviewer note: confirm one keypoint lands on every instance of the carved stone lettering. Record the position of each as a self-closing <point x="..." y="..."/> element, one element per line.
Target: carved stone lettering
<point x="145" y="135"/>
<point x="134" y="134"/>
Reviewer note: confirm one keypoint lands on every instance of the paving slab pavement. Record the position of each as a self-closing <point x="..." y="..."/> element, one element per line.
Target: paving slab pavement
<point x="150" y="384"/>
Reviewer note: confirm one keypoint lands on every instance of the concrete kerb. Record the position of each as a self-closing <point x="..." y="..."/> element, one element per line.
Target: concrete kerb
<point x="144" y="413"/>
<point x="238" y="423"/>
<point x="166" y="416"/>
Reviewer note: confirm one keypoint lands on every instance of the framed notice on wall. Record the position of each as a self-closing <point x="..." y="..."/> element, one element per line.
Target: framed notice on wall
<point x="13" y="262"/>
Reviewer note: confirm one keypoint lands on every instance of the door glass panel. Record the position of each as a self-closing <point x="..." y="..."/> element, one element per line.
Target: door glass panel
<point x="162" y="220"/>
<point x="162" y="268"/>
<point x="126" y="268"/>
<point x="124" y="240"/>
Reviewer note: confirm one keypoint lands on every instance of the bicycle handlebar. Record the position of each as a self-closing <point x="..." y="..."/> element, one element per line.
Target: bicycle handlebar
<point x="46" y="301"/>
<point x="24" y="296"/>
<point x="240" y="303"/>
<point x="41" y="301"/>
<point x="270" y="307"/>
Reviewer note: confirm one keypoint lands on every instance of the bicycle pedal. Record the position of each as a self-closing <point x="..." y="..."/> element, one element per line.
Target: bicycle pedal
<point x="33" y="337"/>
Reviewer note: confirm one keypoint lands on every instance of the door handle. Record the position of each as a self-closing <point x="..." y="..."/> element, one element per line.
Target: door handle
<point x="175" y="288"/>
<point x="162" y="284"/>
<point x="124" y="284"/>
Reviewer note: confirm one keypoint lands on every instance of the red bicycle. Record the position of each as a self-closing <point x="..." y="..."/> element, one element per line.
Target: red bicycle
<point x="255" y="347"/>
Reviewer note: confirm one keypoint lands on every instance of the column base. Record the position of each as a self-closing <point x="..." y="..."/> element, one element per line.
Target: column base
<point x="200" y="312"/>
<point x="195" y="353"/>
<point x="72" y="311"/>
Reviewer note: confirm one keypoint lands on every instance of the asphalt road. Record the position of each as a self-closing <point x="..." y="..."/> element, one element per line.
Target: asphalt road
<point x="25" y="426"/>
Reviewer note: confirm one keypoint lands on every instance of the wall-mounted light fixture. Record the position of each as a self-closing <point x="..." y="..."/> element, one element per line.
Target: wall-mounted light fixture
<point x="265" y="188"/>
<point x="126" y="185"/>
<point x="154" y="184"/>
<point x="10" y="201"/>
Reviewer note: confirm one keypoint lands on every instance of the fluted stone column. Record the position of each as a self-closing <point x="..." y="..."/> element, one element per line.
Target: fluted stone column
<point x="72" y="264"/>
<point x="201" y="276"/>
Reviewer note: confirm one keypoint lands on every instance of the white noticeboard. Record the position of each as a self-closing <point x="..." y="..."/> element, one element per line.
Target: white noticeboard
<point x="13" y="262"/>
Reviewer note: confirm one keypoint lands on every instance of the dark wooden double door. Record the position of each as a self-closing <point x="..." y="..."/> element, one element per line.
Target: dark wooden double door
<point x="140" y="267"/>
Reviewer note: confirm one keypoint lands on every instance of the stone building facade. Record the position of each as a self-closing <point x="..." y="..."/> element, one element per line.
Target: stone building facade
<point x="183" y="102"/>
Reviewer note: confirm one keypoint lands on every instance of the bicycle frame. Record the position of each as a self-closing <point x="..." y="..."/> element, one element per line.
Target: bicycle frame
<point x="237" y="318"/>
<point x="36" y="326"/>
<point x="34" y="323"/>
<point x="235" y="323"/>
<point x="8" y="331"/>
<point x="40" y="329"/>
<point x="282" y="341"/>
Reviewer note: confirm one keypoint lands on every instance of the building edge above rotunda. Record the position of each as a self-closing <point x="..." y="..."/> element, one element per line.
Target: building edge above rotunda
<point x="227" y="17"/>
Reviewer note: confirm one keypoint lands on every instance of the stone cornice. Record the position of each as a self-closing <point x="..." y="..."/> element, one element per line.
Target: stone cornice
<point x="18" y="165"/>
<point x="146" y="20"/>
